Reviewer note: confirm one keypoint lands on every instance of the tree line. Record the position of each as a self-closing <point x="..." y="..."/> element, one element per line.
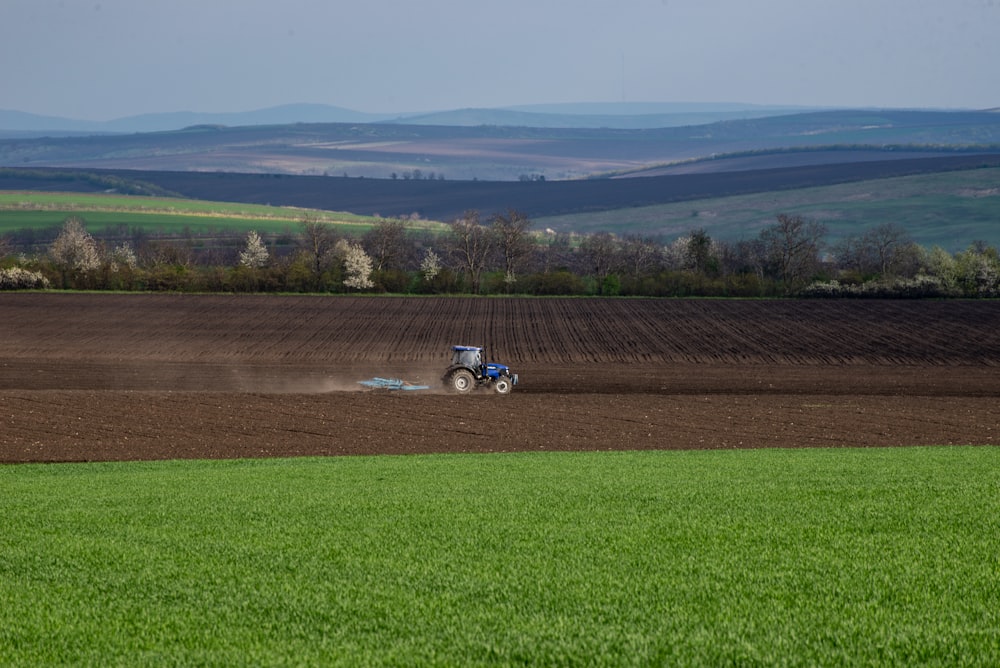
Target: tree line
<point x="501" y="254"/>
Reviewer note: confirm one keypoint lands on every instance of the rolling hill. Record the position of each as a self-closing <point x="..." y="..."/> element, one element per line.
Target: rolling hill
<point x="949" y="201"/>
<point x="501" y="152"/>
<point x="633" y="115"/>
<point x="568" y="178"/>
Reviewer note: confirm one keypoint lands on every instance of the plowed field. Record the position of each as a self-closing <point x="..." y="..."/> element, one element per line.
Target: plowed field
<point x="117" y="377"/>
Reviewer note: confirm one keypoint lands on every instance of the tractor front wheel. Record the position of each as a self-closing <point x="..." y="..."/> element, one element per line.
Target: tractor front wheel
<point x="462" y="381"/>
<point x="503" y="385"/>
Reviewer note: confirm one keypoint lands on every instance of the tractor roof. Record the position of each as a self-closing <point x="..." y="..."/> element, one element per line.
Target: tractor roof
<point x="466" y="348"/>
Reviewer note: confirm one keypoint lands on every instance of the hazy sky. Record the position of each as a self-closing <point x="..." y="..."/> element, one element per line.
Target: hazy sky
<point x="104" y="59"/>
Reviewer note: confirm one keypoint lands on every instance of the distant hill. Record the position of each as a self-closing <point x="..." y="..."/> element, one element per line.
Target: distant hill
<point x="627" y="116"/>
<point x="596" y="115"/>
<point x="16" y="123"/>
<point x="502" y="153"/>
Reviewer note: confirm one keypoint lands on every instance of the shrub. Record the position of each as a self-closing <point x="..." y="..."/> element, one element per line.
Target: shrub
<point x="16" y="278"/>
<point x="921" y="286"/>
<point x="560" y="282"/>
<point x="392" y="280"/>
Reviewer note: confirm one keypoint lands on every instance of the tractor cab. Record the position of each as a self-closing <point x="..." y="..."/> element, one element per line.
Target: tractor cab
<point x="468" y="356"/>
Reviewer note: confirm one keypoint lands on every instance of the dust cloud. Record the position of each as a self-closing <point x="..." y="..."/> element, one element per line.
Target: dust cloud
<point x="282" y="380"/>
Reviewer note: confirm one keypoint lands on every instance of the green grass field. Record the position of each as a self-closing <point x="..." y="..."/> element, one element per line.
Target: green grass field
<point x="948" y="209"/>
<point x="162" y="215"/>
<point x="792" y="557"/>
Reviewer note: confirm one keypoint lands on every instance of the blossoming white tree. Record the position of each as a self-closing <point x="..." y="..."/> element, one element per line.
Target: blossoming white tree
<point x="357" y="265"/>
<point x="124" y="255"/>
<point x="431" y="265"/>
<point x="74" y="249"/>
<point x="254" y="254"/>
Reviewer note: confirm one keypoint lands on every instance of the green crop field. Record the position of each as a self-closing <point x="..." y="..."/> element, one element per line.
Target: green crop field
<point x="161" y="215"/>
<point x="766" y="557"/>
<point x="947" y="209"/>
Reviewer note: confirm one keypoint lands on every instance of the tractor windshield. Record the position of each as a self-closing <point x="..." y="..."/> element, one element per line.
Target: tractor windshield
<point x="469" y="358"/>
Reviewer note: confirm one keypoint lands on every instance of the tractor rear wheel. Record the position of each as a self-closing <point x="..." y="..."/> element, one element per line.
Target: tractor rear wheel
<point x="462" y="381"/>
<point x="503" y="385"/>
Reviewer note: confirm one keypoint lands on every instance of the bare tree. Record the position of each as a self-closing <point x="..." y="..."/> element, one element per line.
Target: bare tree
<point x="316" y="241"/>
<point x="159" y="253"/>
<point x="888" y="244"/>
<point x="471" y="244"/>
<point x="510" y="230"/>
<point x="848" y="255"/>
<point x="554" y="252"/>
<point x="884" y="250"/>
<point x="640" y="254"/>
<point x="385" y="243"/>
<point x="748" y="256"/>
<point x="600" y="252"/>
<point x="792" y="246"/>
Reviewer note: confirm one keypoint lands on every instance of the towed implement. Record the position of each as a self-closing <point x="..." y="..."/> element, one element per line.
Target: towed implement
<point x="468" y="371"/>
<point x="392" y="384"/>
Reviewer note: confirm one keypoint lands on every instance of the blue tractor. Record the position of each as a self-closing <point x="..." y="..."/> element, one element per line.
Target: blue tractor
<point x="468" y="371"/>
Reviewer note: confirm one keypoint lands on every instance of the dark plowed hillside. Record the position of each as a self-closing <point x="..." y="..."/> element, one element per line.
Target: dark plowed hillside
<point x="447" y="200"/>
<point x="358" y="330"/>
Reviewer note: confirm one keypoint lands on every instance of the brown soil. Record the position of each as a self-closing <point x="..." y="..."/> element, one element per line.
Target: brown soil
<point x="125" y="377"/>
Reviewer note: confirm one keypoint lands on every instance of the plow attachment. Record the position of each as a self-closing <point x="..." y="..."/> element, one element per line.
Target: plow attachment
<point x="391" y="384"/>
